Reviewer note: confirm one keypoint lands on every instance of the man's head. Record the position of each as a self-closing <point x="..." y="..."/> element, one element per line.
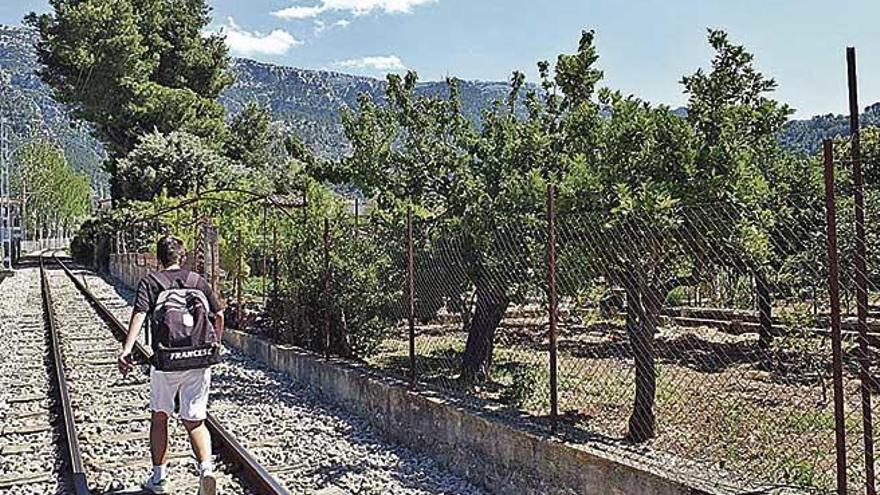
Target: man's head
<point x="170" y="251"/>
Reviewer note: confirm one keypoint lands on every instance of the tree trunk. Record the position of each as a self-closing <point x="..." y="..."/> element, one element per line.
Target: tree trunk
<point x="765" y="310"/>
<point x="491" y="304"/>
<point x="645" y="310"/>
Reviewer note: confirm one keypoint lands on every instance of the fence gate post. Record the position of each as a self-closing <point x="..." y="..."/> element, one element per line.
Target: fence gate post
<point x="834" y="300"/>
<point x="207" y="260"/>
<point x="552" y="304"/>
<point x="263" y="254"/>
<point x="410" y="296"/>
<point x="275" y="260"/>
<point x="861" y="271"/>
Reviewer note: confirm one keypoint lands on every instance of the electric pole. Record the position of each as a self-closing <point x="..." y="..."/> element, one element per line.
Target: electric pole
<point x="5" y="199"/>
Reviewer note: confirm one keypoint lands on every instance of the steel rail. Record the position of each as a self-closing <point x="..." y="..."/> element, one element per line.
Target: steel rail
<point x="72" y="452"/>
<point x="251" y="470"/>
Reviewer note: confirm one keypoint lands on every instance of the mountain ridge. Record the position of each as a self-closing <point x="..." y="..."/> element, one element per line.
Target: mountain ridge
<point x="307" y="102"/>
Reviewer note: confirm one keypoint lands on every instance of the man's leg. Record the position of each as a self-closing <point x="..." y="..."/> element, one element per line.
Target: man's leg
<point x="162" y="389"/>
<point x="200" y="440"/>
<point x="159" y="438"/>
<point x="193" y="411"/>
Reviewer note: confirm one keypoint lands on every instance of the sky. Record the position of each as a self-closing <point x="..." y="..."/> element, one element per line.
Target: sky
<point x="645" y="46"/>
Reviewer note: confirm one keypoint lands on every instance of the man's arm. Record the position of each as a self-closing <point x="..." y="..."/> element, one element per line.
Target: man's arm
<point x="134" y="329"/>
<point x="219" y="323"/>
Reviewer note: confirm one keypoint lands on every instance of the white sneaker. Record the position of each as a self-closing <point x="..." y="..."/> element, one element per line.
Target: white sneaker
<point x="163" y="486"/>
<point x="208" y="483"/>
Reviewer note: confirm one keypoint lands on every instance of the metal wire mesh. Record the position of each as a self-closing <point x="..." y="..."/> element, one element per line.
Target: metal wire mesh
<point x="744" y="399"/>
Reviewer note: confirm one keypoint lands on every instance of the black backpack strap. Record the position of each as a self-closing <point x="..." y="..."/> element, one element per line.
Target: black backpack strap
<point x="192" y="280"/>
<point x="161" y="280"/>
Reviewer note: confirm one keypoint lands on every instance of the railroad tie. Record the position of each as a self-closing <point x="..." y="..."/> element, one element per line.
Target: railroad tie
<point x="28" y="479"/>
<point x="331" y="490"/>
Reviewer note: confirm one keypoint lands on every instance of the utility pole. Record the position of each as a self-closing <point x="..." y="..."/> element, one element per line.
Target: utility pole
<point x="5" y="199"/>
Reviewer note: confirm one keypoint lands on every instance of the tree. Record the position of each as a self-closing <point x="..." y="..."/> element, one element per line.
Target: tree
<point x="252" y="141"/>
<point x="738" y="127"/>
<point x="870" y="153"/>
<point x="134" y="66"/>
<point x="55" y="196"/>
<point x="176" y="164"/>
<point x="655" y="201"/>
<point x="476" y="194"/>
<point x="626" y="219"/>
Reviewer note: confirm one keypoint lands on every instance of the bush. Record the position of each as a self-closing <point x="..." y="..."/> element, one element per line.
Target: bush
<point x="677" y="296"/>
<point x="366" y="292"/>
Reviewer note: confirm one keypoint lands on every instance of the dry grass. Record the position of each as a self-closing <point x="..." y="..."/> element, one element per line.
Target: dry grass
<point x="721" y="402"/>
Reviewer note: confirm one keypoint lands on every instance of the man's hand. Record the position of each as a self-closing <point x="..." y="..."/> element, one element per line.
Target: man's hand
<point x="124" y="362"/>
<point x="134" y="328"/>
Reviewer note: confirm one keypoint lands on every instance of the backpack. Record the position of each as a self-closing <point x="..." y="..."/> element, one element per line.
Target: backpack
<point x="183" y="334"/>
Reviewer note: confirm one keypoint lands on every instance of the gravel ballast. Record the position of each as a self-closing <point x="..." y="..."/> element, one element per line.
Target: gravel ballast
<point x="29" y="457"/>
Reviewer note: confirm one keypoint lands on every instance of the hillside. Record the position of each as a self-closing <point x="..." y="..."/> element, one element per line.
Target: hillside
<point x="309" y="102"/>
<point x="306" y="102"/>
<point x="807" y="135"/>
<point x="26" y="101"/>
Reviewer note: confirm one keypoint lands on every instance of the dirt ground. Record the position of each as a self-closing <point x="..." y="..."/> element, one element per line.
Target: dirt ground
<point x="761" y="415"/>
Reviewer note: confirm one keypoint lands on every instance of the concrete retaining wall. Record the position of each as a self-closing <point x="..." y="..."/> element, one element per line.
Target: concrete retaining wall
<point x="495" y="455"/>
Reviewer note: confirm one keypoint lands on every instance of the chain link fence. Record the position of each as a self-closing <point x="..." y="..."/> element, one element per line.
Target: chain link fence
<point x="697" y="342"/>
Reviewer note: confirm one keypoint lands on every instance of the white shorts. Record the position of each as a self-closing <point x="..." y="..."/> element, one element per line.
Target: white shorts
<point x="192" y="385"/>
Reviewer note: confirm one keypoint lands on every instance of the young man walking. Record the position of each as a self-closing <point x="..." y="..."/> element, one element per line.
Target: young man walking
<point x="155" y="300"/>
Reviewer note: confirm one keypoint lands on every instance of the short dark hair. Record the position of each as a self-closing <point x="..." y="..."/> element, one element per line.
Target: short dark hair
<point x="170" y="250"/>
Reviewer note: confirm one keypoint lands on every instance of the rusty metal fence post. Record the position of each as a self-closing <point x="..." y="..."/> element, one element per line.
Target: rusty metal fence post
<point x="238" y="281"/>
<point x="275" y="257"/>
<point x="327" y="282"/>
<point x="552" y="304"/>
<point x="861" y="279"/>
<point x="834" y="300"/>
<point x="410" y="296"/>
<point x="263" y="254"/>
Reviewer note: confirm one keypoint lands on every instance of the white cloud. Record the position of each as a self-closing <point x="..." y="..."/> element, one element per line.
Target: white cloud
<point x="388" y="63"/>
<point x="356" y="7"/>
<point x="321" y="26"/>
<point x="247" y="43"/>
<point x="298" y="12"/>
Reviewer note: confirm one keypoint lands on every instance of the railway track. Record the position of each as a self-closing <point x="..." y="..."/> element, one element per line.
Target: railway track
<point x="30" y="456"/>
<point x="109" y="416"/>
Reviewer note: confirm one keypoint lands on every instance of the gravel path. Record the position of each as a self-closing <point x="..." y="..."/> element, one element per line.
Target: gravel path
<point x="306" y="443"/>
<point x="29" y="459"/>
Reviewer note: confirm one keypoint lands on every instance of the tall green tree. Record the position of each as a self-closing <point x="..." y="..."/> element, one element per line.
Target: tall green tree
<point x="626" y="223"/>
<point x="55" y="196"/>
<point x="131" y="67"/>
<point x="477" y="195"/>
<point x="252" y="140"/>
<point x="662" y="200"/>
